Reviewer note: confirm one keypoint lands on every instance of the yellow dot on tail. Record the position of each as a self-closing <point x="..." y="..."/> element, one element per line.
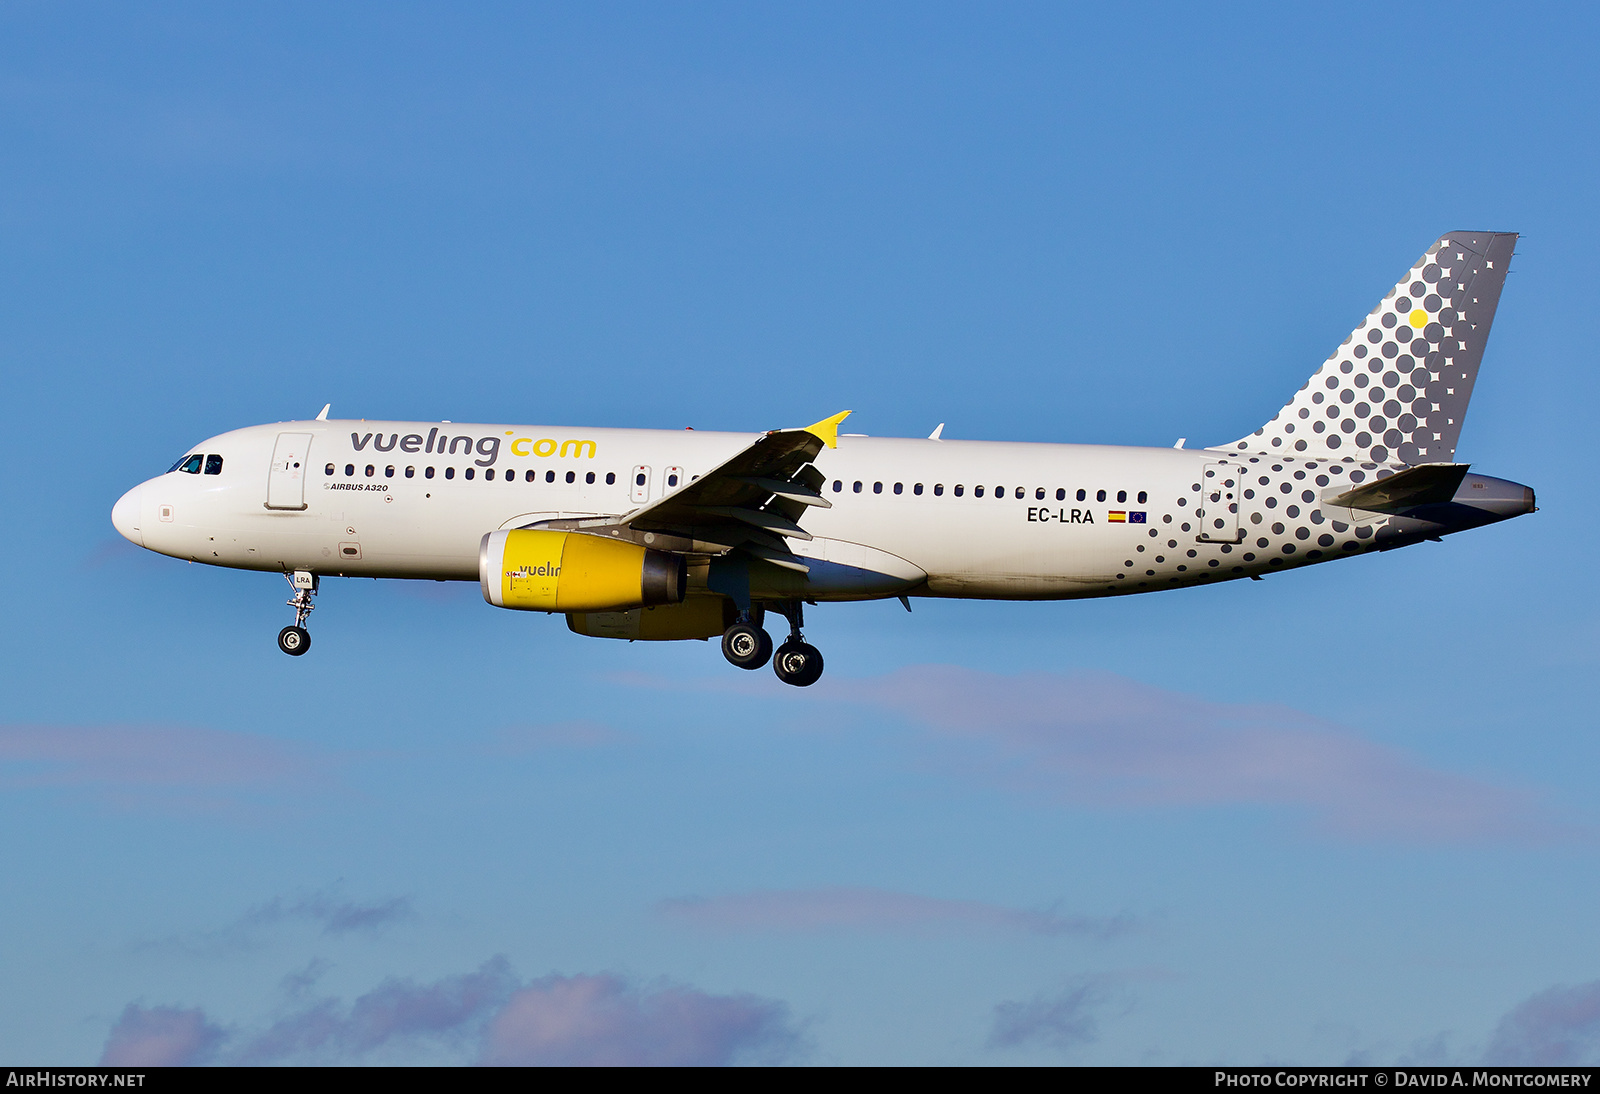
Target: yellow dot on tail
<point x="1419" y="319"/>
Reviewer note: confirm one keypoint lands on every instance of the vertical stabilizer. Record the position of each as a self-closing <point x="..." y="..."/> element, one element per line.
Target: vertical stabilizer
<point x="1397" y="389"/>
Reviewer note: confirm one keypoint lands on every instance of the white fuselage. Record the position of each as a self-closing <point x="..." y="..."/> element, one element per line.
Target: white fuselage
<point x="921" y="517"/>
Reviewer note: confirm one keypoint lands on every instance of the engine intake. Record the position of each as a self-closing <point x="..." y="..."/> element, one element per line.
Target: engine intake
<point x="539" y="570"/>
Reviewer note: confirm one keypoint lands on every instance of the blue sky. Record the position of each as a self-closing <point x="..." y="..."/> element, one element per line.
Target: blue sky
<point x="1345" y="814"/>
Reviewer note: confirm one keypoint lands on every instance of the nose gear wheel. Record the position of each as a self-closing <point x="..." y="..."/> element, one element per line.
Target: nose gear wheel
<point x="295" y="640"/>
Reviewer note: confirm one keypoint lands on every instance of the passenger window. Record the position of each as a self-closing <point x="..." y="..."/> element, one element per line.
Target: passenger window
<point x="672" y="480"/>
<point x="330" y="469"/>
<point x="468" y="473"/>
<point x="411" y="472"/>
<point x="531" y="475"/>
<point x="349" y="469"/>
<point x="611" y="478"/>
<point x="572" y="476"/>
<point x="213" y="465"/>
<point x="877" y="488"/>
<point x="1038" y="495"/>
<point x="1142" y="497"/>
<point x="638" y="480"/>
<point x="1061" y="494"/>
<point x="1081" y="495"/>
<point x="1021" y="493"/>
<point x="370" y="470"/>
<point x="428" y="474"/>
<point x="388" y="472"/>
<point x="1122" y="496"/>
<point x="837" y="486"/>
<point x="857" y="486"/>
<point x="959" y="489"/>
<point x="190" y="466"/>
<point x="917" y="489"/>
<point x="549" y="476"/>
<point x="488" y="476"/>
<point x="899" y="489"/>
<point x="589" y="478"/>
<point x="938" y="489"/>
<point x="1099" y="495"/>
<point x="977" y="491"/>
<point x="449" y="472"/>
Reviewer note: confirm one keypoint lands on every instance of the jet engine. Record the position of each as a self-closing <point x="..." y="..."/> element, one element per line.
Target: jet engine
<point x="539" y="570"/>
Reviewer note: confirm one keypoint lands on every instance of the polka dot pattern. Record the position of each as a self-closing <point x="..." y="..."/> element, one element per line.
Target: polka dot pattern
<point x="1280" y="518"/>
<point x="1396" y="391"/>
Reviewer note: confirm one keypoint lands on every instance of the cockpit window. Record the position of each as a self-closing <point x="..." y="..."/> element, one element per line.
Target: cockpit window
<point x="181" y="461"/>
<point x="189" y="465"/>
<point x="213" y="465"/>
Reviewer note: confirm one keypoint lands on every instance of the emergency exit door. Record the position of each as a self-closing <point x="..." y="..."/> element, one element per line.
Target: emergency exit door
<point x="639" y="485"/>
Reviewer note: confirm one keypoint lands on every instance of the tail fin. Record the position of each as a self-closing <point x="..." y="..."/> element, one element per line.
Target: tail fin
<point x="1397" y="388"/>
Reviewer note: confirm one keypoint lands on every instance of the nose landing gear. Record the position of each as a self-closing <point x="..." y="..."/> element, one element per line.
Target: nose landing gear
<point x="296" y="640"/>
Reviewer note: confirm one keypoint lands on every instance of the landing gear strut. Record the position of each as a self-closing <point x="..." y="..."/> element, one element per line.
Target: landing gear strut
<point x="296" y="640"/>
<point x="797" y="662"/>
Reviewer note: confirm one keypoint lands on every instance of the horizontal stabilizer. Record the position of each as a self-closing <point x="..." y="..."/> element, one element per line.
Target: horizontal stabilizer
<point x="1425" y="484"/>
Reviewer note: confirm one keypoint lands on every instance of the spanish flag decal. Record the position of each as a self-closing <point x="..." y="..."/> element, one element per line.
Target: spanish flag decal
<point x="1117" y="516"/>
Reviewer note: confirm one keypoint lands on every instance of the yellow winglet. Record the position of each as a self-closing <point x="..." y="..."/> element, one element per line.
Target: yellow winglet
<point x="827" y="430"/>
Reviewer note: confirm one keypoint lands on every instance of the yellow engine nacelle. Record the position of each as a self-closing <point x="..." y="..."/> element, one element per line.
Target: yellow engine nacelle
<point x="538" y="570"/>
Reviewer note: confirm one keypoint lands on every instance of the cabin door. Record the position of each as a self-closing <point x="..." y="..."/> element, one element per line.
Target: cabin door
<point x="286" y="482"/>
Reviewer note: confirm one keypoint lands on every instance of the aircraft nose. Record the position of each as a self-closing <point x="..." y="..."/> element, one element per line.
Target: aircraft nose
<point x="125" y="516"/>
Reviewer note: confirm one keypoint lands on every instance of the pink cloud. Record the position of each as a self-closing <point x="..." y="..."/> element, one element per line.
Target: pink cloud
<point x="601" y="1020"/>
<point x="844" y="908"/>
<point x="136" y="765"/>
<point x="488" y="1014"/>
<point x="1103" y="740"/>
<point x="160" y="1037"/>
<point x="1557" y="1027"/>
<point x="396" y="1010"/>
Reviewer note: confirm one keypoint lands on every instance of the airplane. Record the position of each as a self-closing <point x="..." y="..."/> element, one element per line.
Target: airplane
<point x="656" y="535"/>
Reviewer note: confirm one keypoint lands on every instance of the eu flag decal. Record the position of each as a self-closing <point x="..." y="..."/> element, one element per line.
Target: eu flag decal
<point x="1135" y="518"/>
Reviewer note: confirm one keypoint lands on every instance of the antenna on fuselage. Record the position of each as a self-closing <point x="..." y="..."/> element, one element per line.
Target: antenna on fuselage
<point x="935" y="434"/>
<point x="324" y="415"/>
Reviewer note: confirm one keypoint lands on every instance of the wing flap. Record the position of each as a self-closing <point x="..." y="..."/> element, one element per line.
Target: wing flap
<point x="752" y="501"/>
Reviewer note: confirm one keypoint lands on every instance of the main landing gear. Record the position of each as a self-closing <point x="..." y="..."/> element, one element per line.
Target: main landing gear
<point x="296" y="640"/>
<point x="796" y="662"/>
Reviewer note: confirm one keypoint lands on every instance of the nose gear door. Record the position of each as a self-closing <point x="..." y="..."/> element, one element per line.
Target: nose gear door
<point x="1220" y="494"/>
<point x="286" y="482"/>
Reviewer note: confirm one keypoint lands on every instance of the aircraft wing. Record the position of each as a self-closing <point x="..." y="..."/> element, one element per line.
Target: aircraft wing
<point x="753" y="501"/>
